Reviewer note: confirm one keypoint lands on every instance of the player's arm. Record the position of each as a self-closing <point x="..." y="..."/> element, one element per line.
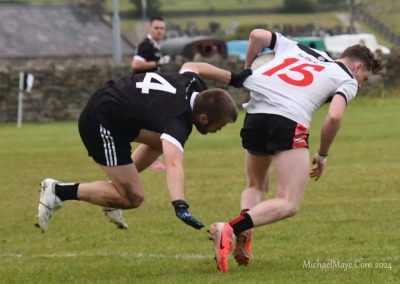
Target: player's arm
<point x="141" y="61"/>
<point x="329" y="130"/>
<point x="211" y="72"/>
<point x="138" y="65"/>
<point x="174" y="169"/>
<point x="258" y="40"/>
<point x="176" y="183"/>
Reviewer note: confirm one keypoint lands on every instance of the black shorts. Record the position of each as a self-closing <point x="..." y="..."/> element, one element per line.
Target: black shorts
<point x="107" y="146"/>
<point x="266" y="134"/>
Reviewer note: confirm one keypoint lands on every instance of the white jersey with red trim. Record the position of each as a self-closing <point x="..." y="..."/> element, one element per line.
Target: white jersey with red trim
<point x="297" y="81"/>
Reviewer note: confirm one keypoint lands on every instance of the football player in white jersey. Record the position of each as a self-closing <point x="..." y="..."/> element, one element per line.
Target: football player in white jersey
<point x="284" y="94"/>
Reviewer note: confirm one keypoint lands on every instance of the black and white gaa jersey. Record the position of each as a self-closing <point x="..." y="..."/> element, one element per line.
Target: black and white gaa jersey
<point x="154" y="101"/>
<point x="148" y="50"/>
<point x="297" y="81"/>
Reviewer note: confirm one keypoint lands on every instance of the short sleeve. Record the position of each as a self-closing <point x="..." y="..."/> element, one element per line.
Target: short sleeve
<point x="177" y="131"/>
<point x="348" y="90"/>
<point x="145" y="51"/>
<point x="195" y="83"/>
<point x="282" y="43"/>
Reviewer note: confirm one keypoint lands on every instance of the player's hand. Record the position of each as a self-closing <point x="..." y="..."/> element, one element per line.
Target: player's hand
<point x="320" y="162"/>
<point x="164" y="60"/>
<point x="238" y="79"/>
<point x="182" y="212"/>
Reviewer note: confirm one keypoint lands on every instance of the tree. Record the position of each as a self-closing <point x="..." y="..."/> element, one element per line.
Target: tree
<point x="152" y="9"/>
<point x="326" y="5"/>
<point x="299" y="6"/>
<point x="96" y="6"/>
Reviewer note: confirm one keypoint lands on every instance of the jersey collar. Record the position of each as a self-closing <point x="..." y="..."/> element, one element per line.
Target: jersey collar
<point x="192" y="98"/>
<point x="345" y="68"/>
<point x="156" y="44"/>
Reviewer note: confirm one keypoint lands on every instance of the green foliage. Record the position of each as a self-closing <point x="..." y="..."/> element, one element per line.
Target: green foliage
<point x="201" y="5"/>
<point x="96" y="6"/>
<point x="331" y="5"/>
<point x="242" y="32"/>
<point x="152" y="8"/>
<point x="245" y="23"/>
<point x="299" y="6"/>
<point x="350" y="215"/>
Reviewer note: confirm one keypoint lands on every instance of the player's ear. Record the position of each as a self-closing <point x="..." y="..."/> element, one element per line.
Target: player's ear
<point x="203" y="118"/>
<point x="359" y="66"/>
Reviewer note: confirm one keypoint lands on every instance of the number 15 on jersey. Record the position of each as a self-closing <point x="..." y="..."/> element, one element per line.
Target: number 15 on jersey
<point x="305" y="69"/>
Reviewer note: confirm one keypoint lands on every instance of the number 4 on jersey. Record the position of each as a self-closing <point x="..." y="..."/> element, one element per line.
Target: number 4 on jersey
<point x="160" y="85"/>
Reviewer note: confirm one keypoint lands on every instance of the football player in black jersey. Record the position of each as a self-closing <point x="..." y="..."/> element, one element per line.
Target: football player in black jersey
<point x="156" y="110"/>
<point x="148" y="55"/>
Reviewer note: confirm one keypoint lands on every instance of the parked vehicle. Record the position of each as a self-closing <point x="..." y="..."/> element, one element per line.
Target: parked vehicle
<point x="335" y="45"/>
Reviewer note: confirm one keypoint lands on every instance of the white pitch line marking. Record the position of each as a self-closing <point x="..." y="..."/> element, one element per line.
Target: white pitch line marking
<point x="145" y="255"/>
<point x="105" y="254"/>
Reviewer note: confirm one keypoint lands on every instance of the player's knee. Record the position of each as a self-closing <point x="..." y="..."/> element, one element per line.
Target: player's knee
<point x="134" y="201"/>
<point x="291" y="209"/>
<point x="257" y="186"/>
<point x="132" y="197"/>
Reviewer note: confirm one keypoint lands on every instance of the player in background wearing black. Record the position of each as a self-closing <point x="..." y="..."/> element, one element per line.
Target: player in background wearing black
<point x="284" y="94"/>
<point x="156" y="110"/>
<point x="148" y="56"/>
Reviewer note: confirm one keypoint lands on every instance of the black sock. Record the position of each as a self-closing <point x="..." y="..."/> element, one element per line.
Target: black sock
<point x="241" y="223"/>
<point x="67" y="191"/>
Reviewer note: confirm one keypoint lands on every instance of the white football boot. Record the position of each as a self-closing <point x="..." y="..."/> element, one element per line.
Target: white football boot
<point x="115" y="216"/>
<point x="49" y="203"/>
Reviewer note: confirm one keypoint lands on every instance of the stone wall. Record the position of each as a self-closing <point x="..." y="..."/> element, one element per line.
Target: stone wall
<point x="61" y="91"/>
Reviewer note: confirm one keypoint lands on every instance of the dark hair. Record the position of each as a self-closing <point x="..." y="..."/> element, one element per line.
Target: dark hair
<point x="217" y="104"/>
<point x="156" y="18"/>
<point x="365" y="55"/>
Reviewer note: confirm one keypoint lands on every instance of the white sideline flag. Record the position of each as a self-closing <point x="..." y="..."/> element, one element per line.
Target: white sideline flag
<point x="25" y="84"/>
<point x="28" y="82"/>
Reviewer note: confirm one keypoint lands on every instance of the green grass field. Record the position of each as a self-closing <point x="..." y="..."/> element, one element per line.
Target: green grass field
<point x="348" y="218"/>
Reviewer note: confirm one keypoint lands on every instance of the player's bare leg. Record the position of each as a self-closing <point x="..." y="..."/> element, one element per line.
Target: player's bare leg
<point x="143" y="156"/>
<point x="257" y="180"/>
<point x="148" y="153"/>
<point x="292" y="169"/>
<point x="125" y="190"/>
<point x="257" y="186"/>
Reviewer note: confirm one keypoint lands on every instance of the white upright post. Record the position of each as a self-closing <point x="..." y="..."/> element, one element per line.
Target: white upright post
<point x="20" y="98"/>
<point x="116" y="34"/>
<point x="144" y="10"/>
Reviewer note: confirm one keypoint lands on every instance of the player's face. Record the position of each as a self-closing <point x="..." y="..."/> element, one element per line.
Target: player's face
<point x="360" y="73"/>
<point x="214" y="127"/>
<point x="157" y="30"/>
<point x="362" y="76"/>
<point x="205" y="128"/>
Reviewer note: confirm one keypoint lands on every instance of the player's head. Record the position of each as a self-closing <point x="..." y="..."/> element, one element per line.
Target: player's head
<point x="361" y="62"/>
<point x="157" y="28"/>
<point x="213" y="109"/>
